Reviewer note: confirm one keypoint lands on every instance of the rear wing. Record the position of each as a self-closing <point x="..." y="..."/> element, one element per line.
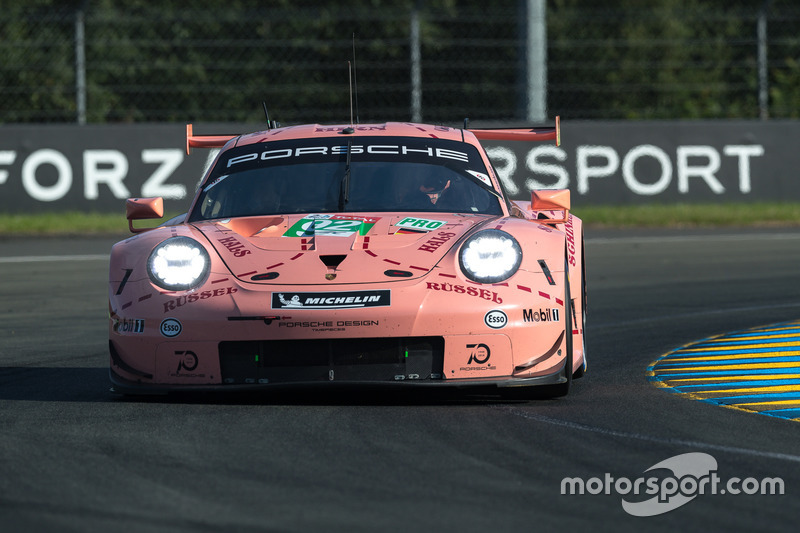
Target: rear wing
<point x="204" y="141"/>
<point x="521" y="134"/>
<point x="524" y="134"/>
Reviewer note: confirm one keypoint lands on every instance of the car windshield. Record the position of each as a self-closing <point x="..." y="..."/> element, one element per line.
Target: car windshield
<point x="381" y="174"/>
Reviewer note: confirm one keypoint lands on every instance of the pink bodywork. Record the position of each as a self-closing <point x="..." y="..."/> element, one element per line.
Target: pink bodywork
<point x="170" y="340"/>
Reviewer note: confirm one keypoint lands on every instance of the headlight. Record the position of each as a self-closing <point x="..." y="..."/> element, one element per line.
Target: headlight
<point x="490" y="256"/>
<point x="178" y="263"/>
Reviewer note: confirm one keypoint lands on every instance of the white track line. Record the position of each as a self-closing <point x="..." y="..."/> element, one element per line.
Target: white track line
<point x="648" y="438"/>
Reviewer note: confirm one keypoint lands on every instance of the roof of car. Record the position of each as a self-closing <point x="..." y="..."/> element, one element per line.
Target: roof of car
<point x="393" y="129"/>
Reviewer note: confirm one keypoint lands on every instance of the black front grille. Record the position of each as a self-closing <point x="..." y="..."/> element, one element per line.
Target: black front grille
<point x="285" y="361"/>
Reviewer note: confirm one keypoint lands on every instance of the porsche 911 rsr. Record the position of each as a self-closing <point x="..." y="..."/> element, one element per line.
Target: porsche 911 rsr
<point x="383" y="253"/>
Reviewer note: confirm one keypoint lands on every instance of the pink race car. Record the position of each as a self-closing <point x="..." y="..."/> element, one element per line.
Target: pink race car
<point x="382" y="253"/>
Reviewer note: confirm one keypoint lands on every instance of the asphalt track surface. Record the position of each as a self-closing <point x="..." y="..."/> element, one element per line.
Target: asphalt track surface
<point x="74" y="457"/>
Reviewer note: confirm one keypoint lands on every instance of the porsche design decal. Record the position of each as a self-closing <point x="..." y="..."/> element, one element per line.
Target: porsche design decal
<point x="329" y="325"/>
<point x="331" y="300"/>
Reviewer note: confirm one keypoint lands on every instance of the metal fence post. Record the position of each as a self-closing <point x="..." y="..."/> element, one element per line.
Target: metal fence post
<point x="80" y="66"/>
<point x="763" y="81"/>
<point x="416" y="67"/>
<point x="534" y="27"/>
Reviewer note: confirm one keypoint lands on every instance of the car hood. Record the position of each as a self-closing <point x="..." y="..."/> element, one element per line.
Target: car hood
<point x="336" y="248"/>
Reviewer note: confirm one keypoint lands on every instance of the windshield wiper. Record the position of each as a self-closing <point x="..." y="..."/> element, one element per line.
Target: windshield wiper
<point x="344" y="192"/>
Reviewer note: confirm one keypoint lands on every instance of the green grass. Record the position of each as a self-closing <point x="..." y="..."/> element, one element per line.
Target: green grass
<point x="692" y="216"/>
<point x="71" y="223"/>
<point x="653" y="216"/>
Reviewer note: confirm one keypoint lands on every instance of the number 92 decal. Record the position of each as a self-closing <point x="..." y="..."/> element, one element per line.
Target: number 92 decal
<point x="337" y="225"/>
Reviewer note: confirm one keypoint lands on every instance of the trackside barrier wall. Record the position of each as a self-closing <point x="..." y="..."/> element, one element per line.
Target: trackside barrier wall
<point x="51" y="168"/>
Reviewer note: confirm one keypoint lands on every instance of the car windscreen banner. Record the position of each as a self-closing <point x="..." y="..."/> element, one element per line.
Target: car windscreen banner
<point x="369" y="149"/>
<point x="94" y="168"/>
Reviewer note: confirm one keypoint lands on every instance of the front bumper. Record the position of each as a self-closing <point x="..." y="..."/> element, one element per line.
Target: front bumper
<point x="121" y="385"/>
<point x="433" y="333"/>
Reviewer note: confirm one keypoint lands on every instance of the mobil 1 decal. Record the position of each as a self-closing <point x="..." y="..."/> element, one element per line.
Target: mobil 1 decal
<point x="540" y="315"/>
<point x="129" y="325"/>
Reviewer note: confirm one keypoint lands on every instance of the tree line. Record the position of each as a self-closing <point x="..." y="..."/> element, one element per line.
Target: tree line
<point x="216" y="60"/>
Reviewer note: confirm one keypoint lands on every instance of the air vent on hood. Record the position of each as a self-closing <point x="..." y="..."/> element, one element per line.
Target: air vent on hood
<point x="398" y="273"/>
<point x="332" y="261"/>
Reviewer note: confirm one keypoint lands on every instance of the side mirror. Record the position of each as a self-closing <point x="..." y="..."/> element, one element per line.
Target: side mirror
<point x="141" y="209"/>
<point x="555" y="200"/>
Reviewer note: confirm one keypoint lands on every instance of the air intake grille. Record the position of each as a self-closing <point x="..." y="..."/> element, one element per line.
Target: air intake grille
<point x="286" y="361"/>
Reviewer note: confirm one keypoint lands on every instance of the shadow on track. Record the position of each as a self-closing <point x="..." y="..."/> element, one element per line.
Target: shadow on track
<point x="54" y="384"/>
<point x="71" y="384"/>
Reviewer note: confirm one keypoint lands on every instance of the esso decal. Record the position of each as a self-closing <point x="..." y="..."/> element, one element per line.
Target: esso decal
<point x="495" y="319"/>
<point x="170" y="327"/>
